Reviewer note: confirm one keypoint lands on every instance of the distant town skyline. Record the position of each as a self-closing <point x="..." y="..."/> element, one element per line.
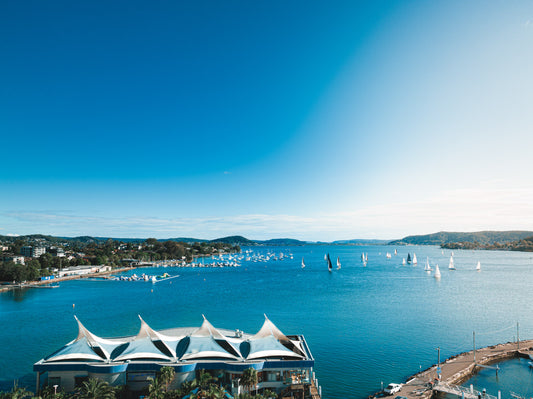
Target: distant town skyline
<point x="355" y="119"/>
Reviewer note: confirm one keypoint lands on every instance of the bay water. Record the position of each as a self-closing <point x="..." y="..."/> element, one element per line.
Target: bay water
<point x="365" y="325"/>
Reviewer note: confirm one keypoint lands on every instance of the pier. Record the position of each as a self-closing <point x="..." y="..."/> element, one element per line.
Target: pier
<point x="458" y="369"/>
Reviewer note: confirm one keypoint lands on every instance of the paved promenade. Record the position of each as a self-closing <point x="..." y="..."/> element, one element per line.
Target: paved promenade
<point x="456" y="370"/>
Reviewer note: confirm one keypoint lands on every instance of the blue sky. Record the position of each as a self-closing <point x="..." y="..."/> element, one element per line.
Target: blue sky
<point x="370" y="119"/>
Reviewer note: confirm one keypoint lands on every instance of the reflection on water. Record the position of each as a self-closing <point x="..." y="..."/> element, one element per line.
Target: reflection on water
<point x="17" y="295"/>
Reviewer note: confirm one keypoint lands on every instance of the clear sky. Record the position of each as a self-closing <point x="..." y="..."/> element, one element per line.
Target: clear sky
<point x="305" y="119"/>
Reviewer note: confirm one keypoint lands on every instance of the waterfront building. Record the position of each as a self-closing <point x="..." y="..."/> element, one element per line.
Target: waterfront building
<point x="32" y="252"/>
<point x="81" y="270"/>
<point x="13" y="258"/>
<point x="283" y="362"/>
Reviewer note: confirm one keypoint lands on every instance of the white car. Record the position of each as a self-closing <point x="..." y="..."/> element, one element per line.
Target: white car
<point x="392" y="389"/>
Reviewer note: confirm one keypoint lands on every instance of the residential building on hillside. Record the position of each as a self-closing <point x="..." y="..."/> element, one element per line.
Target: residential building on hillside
<point x="32" y="252"/>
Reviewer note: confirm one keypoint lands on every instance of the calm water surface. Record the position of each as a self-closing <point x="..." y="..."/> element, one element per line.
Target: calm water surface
<point x="364" y="325"/>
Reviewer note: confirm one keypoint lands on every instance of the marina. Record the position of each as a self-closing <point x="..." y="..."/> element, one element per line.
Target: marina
<point x="369" y="322"/>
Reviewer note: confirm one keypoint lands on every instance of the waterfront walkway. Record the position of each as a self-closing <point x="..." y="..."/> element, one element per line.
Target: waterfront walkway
<point x="458" y="369"/>
<point x="59" y="279"/>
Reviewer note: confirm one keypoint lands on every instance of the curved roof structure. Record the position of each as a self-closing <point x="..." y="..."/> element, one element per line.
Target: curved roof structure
<point x="86" y="346"/>
<point x="149" y="344"/>
<point x="270" y="342"/>
<point x="204" y="343"/>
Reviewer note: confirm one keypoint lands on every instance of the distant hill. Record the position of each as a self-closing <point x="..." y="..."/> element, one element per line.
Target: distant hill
<point x="187" y="240"/>
<point x="481" y="238"/>
<point x="281" y="242"/>
<point x="362" y="242"/>
<point x="235" y="240"/>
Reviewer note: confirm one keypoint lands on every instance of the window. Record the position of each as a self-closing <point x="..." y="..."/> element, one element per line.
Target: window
<point x="54" y="381"/>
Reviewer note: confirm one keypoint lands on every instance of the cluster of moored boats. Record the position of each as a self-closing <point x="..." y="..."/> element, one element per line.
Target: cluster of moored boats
<point x="142" y="277"/>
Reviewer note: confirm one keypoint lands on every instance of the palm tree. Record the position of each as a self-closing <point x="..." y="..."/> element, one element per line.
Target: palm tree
<point x="94" y="388"/>
<point x="249" y="378"/>
<point x="156" y="388"/>
<point x="166" y="375"/>
<point x="16" y="393"/>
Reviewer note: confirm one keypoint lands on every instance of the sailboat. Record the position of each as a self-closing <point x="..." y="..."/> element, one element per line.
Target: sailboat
<point x="329" y="263"/>
<point x="408" y="258"/>
<point x="363" y="257"/>
<point x="338" y="263"/>
<point x="478" y="267"/>
<point x="414" y="259"/>
<point x="395" y="252"/>
<point x="303" y="263"/>
<point x="437" y="272"/>
<point x="427" y="268"/>
<point x="403" y="261"/>
<point x="451" y="266"/>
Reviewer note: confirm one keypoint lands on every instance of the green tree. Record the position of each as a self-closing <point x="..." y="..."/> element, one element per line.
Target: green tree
<point x="16" y="393"/>
<point x="249" y="378"/>
<point x="94" y="388"/>
<point x="166" y="374"/>
<point x="156" y="389"/>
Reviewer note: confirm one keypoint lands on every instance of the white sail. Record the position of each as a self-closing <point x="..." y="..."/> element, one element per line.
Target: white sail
<point x="338" y="263"/>
<point x="395" y="252"/>
<point x="427" y="268"/>
<point x="303" y="263"/>
<point x="451" y="266"/>
<point x="403" y="261"/>
<point x="414" y="259"/>
<point x="437" y="271"/>
<point x="478" y="267"/>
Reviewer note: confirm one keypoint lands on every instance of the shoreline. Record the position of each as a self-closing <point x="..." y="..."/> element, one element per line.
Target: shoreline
<point x="66" y="278"/>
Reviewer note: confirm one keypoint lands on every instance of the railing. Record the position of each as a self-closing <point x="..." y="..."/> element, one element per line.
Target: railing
<point x="460" y="391"/>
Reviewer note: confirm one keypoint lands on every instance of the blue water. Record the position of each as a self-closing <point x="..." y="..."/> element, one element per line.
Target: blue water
<point x="364" y="325"/>
<point x="514" y="376"/>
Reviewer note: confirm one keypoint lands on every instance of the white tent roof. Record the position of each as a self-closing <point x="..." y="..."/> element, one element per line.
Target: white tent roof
<point x="86" y="346"/>
<point x="207" y="342"/>
<point x="204" y="342"/>
<point x="269" y="329"/>
<point x="143" y="345"/>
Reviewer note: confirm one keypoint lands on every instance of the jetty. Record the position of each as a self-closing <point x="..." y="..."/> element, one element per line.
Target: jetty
<point x="446" y="377"/>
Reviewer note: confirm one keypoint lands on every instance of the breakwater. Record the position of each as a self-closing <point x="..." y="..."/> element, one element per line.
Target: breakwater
<point x="460" y="368"/>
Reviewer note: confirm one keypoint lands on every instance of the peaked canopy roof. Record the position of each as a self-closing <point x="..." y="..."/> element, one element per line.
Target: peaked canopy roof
<point x="86" y="346"/>
<point x="206" y="342"/>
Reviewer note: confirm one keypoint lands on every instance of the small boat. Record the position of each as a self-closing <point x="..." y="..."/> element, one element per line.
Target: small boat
<point x="303" y="263"/>
<point x="408" y="258"/>
<point x="338" y="263"/>
<point x="388" y="255"/>
<point x="395" y="252"/>
<point x="427" y="268"/>
<point x="414" y="259"/>
<point x="451" y="266"/>
<point x="329" y="263"/>
<point x="478" y="266"/>
<point x="154" y="279"/>
<point x="437" y="272"/>
<point x="403" y="261"/>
